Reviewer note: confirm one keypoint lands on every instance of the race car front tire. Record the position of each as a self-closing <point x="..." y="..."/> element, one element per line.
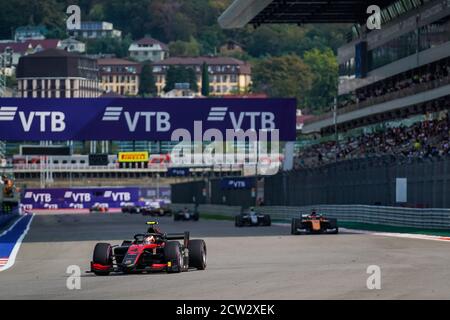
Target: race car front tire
<point x="103" y="256"/>
<point x="294" y="226"/>
<point x="172" y="254"/>
<point x="197" y="254"/>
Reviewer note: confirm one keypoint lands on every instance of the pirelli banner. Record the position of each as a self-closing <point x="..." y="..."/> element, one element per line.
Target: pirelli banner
<point x="130" y="157"/>
<point x="143" y="119"/>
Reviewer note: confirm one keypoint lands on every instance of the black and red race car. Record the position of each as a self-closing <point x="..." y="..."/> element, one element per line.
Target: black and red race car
<point x="152" y="251"/>
<point x="314" y="224"/>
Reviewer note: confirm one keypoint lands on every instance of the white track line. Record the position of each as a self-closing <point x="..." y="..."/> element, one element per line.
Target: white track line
<point x="12" y="227"/>
<point x="15" y="251"/>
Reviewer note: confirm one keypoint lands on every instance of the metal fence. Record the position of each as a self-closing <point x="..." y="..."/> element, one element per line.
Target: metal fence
<point x="209" y="191"/>
<point x="369" y="181"/>
<point x="388" y="216"/>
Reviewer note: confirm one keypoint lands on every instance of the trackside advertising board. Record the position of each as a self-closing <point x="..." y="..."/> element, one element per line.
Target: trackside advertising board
<point x="141" y="119"/>
<point x="54" y="199"/>
<point x="129" y="157"/>
<point x="237" y="183"/>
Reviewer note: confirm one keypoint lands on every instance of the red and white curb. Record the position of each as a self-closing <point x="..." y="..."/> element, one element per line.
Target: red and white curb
<point x="3" y="262"/>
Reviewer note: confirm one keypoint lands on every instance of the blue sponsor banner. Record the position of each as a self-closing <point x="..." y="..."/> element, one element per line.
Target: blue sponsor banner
<point x="178" y="172"/>
<point x="141" y="119"/>
<point x="54" y="199"/>
<point x="237" y="183"/>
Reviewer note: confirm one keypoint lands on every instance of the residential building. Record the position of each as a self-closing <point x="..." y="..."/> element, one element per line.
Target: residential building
<point x="57" y="73"/>
<point x="181" y="90"/>
<point x="95" y="30"/>
<point x="148" y="49"/>
<point x="13" y="51"/>
<point x="226" y="75"/>
<point x="119" y="76"/>
<point x="72" y="45"/>
<point x="30" y="33"/>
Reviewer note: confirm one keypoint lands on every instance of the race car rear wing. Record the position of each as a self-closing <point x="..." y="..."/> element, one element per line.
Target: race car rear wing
<point x="179" y="236"/>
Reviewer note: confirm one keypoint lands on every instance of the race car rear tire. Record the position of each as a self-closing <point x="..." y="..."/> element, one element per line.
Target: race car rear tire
<point x="197" y="254"/>
<point x="238" y="222"/>
<point x="267" y="221"/>
<point x="176" y="217"/>
<point x="102" y="255"/>
<point x="172" y="254"/>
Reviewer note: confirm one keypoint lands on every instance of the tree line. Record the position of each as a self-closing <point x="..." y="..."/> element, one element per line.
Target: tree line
<point x="287" y="60"/>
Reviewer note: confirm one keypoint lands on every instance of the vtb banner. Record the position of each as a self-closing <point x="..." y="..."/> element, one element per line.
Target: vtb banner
<point x="142" y="119"/>
<point x="83" y="198"/>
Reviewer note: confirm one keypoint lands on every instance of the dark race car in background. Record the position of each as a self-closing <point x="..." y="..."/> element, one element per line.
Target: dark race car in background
<point x="186" y="215"/>
<point x="158" y="208"/>
<point x="150" y="252"/>
<point x="314" y="224"/>
<point x="253" y="219"/>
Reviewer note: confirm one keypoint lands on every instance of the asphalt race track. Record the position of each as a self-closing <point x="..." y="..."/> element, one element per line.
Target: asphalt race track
<point x="248" y="263"/>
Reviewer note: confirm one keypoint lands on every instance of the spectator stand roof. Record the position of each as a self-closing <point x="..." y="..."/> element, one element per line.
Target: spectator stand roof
<point x="257" y="12"/>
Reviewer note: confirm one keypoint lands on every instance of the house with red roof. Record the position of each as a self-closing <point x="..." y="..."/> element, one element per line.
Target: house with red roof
<point x="13" y="51"/>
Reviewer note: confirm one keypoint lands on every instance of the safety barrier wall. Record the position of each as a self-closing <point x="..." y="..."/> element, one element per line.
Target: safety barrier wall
<point x="389" y="216"/>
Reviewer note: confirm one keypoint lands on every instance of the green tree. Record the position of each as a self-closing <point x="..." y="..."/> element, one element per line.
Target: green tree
<point x="119" y="47"/>
<point x="325" y="69"/>
<point x="283" y="77"/>
<point x="184" y="49"/>
<point x="205" y="80"/>
<point x="147" y="85"/>
<point x="180" y="75"/>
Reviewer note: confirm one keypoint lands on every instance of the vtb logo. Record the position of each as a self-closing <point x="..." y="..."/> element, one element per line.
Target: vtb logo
<point x="151" y="120"/>
<point x="39" y="197"/>
<point x="78" y="197"/>
<point x="44" y="120"/>
<point x="118" y="196"/>
<point x="237" y="184"/>
<point x="265" y="119"/>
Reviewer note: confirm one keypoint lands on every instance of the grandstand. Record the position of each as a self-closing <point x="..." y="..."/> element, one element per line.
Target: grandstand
<point x="394" y="90"/>
<point x="392" y="105"/>
<point x="390" y="80"/>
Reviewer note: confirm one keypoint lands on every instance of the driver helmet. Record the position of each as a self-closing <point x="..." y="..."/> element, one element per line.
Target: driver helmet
<point x="149" y="240"/>
<point x="314" y="213"/>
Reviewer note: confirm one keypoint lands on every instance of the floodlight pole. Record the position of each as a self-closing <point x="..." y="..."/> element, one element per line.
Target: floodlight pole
<point x="336" y="133"/>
